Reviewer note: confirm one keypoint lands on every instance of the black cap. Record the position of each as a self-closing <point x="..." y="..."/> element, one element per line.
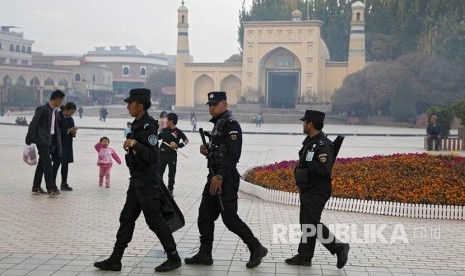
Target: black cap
<point x="140" y="94"/>
<point x="313" y="116"/>
<point x="216" y="97"/>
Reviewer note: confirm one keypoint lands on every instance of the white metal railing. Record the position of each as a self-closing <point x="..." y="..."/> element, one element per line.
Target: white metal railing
<point x="362" y="206"/>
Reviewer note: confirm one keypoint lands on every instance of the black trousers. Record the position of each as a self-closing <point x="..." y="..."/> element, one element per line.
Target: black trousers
<point x="437" y="143"/>
<point x="209" y="212"/>
<point x="312" y="203"/>
<point x="169" y="160"/>
<point x="44" y="168"/>
<point x="143" y="199"/>
<point x="64" y="171"/>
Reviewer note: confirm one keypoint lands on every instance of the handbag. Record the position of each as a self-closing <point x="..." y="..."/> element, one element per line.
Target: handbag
<point x="30" y="155"/>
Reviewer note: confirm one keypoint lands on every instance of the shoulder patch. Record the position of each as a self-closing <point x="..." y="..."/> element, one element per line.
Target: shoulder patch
<point x="153" y="139"/>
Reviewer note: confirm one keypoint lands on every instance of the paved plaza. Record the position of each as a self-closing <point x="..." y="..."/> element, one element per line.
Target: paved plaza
<point x="67" y="234"/>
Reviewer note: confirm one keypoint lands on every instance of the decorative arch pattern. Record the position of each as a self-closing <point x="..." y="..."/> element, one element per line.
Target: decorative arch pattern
<point x="202" y="85"/>
<point x="233" y="87"/>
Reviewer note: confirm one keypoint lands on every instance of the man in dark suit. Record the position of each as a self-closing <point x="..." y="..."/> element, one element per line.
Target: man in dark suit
<point x="45" y="133"/>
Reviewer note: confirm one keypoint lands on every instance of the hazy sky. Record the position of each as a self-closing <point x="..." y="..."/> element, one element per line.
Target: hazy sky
<point x="75" y="27"/>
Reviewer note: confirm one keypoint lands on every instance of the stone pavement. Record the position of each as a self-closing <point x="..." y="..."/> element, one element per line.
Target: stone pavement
<point x="65" y="235"/>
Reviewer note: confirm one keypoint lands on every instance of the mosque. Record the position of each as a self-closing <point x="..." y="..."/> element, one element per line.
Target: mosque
<point x="285" y="63"/>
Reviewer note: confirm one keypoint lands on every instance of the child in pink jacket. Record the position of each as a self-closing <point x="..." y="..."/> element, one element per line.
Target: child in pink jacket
<point x="104" y="161"/>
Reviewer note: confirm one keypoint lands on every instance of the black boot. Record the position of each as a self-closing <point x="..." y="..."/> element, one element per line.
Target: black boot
<point x="66" y="187"/>
<point x="342" y="255"/>
<point x="257" y="253"/>
<point x="299" y="260"/>
<point x="172" y="263"/>
<point x="113" y="263"/>
<point x="204" y="256"/>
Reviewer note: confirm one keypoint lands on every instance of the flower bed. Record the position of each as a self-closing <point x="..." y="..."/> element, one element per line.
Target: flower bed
<point x="406" y="178"/>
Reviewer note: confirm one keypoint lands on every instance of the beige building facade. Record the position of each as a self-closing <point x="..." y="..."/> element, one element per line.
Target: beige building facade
<point x="285" y="64"/>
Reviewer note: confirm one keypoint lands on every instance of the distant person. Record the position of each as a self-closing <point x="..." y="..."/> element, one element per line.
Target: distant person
<point x="105" y="160"/>
<point x="162" y="120"/>
<point x="103" y="114"/>
<point x="127" y="130"/>
<point x="80" y="111"/>
<point x="172" y="136"/>
<point x="194" y="123"/>
<point x="8" y="113"/>
<point x="433" y="132"/>
<point x="258" y="120"/>
<point x="45" y="133"/>
<point x="68" y="132"/>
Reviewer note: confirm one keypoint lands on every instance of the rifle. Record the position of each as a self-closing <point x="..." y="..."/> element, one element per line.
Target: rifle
<point x="210" y="169"/>
<point x="337" y="143"/>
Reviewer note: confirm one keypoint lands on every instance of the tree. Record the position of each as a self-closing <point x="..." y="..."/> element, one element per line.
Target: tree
<point x="458" y="108"/>
<point x="159" y="79"/>
<point x="402" y="106"/>
<point x="235" y="58"/>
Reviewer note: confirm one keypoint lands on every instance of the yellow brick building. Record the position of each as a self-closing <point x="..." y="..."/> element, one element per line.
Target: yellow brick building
<point x="284" y="63"/>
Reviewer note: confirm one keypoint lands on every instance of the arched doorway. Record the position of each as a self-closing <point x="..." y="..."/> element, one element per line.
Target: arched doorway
<point x="280" y="74"/>
<point x="202" y="86"/>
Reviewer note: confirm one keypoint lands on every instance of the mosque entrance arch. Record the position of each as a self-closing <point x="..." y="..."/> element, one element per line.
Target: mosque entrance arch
<point x="282" y="88"/>
<point x="281" y="77"/>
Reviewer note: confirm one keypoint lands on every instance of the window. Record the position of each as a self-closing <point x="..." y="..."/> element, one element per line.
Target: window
<point x="182" y="19"/>
<point x="23" y="49"/>
<point x="29" y="49"/>
<point x="0" y="46"/>
<point x="77" y="77"/>
<point x="17" y="48"/>
<point x="126" y="70"/>
<point x="12" y="48"/>
<point x="93" y="78"/>
<point x="358" y="16"/>
<point x="142" y="71"/>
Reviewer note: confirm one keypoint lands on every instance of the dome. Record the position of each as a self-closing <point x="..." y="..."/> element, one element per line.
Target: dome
<point x="182" y="8"/>
<point x="296" y="15"/>
<point x="358" y="4"/>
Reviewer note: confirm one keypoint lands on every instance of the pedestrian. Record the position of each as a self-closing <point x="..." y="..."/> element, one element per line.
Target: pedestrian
<point x="433" y="132"/>
<point x="105" y="160"/>
<point x="162" y="120"/>
<point x="80" y="111"/>
<point x="127" y="130"/>
<point x="313" y="177"/>
<point x="258" y="120"/>
<point x="194" y="123"/>
<point x="45" y="133"/>
<point x="68" y="132"/>
<point x="223" y="153"/>
<point x="174" y="139"/>
<point x="104" y="114"/>
<point x="143" y="193"/>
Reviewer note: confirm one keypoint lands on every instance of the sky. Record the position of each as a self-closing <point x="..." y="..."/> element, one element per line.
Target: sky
<point x="75" y="27"/>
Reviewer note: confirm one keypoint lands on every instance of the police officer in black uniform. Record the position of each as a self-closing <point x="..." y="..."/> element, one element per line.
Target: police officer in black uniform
<point x="171" y="136"/>
<point x="224" y="151"/>
<point x="313" y="177"/>
<point x="143" y="193"/>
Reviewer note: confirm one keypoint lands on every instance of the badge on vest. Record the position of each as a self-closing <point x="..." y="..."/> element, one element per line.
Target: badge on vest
<point x="309" y="156"/>
<point x="323" y="157"/>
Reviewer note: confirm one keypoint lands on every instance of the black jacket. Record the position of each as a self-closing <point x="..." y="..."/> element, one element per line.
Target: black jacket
<point x="142" y="159"/>
<point x="39" y="128"/>
<point x="316" y="155"/>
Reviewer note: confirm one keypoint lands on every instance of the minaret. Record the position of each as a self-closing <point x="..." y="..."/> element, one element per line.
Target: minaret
<point x="356" y="60"/>
<point x="182" y="55"/>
